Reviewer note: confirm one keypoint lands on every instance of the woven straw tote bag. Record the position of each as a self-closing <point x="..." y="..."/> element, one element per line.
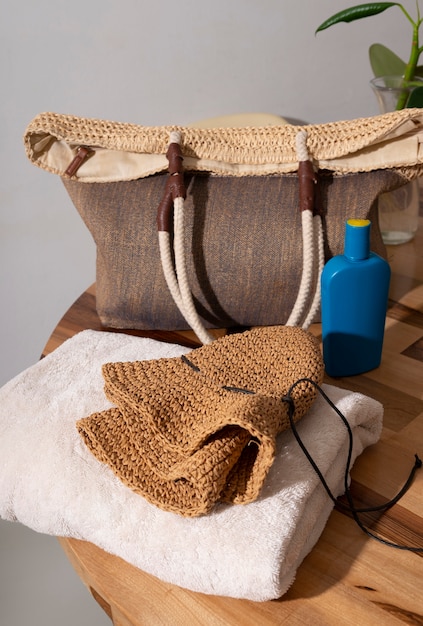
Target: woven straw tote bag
<point x="248" y="216"/>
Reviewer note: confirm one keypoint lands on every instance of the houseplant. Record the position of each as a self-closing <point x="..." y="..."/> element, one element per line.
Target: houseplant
<point x="385" y="62"/>
<point x="397" y="84"/>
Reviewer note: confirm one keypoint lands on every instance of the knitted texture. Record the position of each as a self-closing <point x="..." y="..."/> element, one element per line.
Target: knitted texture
<point x="260" y="146"/>
<point x="189" y="432"/>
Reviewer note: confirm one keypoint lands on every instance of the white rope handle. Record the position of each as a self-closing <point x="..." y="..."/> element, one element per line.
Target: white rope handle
<point x="301" y="146"/>
<point x="168" y="269"/>
<point x="313" y="255"/>
<point x="177" y="276"/>
<point x="320" y="253"/>
<point x="304" y="290"/>
<point x="189" y="309"/>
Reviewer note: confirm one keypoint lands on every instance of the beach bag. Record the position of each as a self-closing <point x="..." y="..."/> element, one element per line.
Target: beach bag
<point x="222" y="227"/>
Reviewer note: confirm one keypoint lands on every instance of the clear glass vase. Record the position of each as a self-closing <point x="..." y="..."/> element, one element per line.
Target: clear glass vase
<point x="399" y="209"/>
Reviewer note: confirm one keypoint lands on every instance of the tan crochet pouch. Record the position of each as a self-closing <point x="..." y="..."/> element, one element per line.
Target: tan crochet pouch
<point x="230" y="218"/>
<point x="189" y="432"/>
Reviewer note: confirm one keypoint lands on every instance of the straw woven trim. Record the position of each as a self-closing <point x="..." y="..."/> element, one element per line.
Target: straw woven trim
<point x="248" y="145"/>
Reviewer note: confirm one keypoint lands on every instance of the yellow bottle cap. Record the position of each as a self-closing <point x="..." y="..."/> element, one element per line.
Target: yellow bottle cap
<point x="355" y="222"/>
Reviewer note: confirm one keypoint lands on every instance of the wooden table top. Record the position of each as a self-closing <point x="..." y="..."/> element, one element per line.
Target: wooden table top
<point x="347" y="578"/>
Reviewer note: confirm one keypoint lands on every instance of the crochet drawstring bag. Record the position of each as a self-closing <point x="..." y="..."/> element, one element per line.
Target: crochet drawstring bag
<point x="189" y="432"/>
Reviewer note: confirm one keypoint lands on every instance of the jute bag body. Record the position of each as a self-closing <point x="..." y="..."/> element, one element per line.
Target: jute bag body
<point x="242" y="226"/>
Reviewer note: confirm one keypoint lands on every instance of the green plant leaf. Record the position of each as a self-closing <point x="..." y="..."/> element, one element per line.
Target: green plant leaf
<point x="415" y="99"/>
<point x="356" y="13"/>
<point x="384" y="62"/>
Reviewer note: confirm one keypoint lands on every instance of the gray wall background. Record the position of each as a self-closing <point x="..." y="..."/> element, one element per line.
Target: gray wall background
<point x="150" y="63"/>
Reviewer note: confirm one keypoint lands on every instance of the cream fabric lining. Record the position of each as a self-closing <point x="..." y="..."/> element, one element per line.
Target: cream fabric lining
<point x="400" y="146"/>
<point x="114" y="165"/>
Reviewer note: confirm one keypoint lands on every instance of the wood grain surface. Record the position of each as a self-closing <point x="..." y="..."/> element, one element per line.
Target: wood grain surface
<point x="348" y="578"/>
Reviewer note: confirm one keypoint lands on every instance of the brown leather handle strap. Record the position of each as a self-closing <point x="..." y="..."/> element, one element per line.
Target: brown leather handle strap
<point x="307" y="186"/>
<point x="175" y="158"/>
<point x="175" y="188"/>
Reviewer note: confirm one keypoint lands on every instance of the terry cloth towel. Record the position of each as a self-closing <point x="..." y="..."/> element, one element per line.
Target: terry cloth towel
<point x="50" y="481"/>
<point x="189" y="432"/>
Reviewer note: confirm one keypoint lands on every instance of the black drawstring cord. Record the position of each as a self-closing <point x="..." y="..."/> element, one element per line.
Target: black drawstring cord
<point x="350" y="506"/>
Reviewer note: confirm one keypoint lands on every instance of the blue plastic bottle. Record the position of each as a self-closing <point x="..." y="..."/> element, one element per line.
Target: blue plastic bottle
<point x="355" y="289"/>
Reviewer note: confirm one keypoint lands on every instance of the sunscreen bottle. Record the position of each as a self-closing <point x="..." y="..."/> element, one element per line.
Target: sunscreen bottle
<point x="354" y="289"/>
